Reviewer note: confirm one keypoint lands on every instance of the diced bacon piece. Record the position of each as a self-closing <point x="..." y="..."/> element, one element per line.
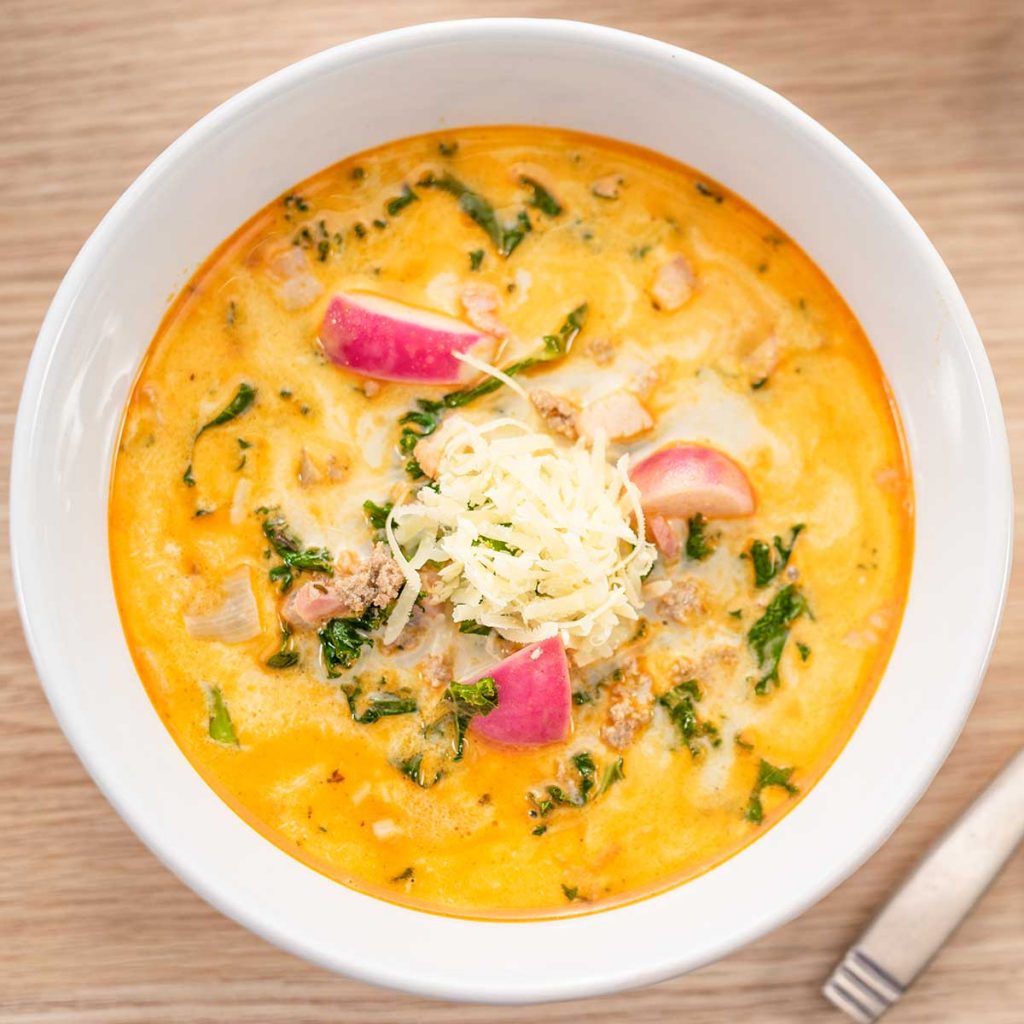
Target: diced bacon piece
<point x="312" y="603"/>
<point x="557" y="412"/>
<point x="428" y="451"/>
<point x="298" y="287"/>
<point x="601" y="350"/>
<point x="665" y="536"/>
<point x="481" y="302"/>
<point x="620" y="415"/>
<point x="374" y="582"/>
<point x="607" y="187"/>
<point x="761" y="362"/>
<point x="673" y="284"/>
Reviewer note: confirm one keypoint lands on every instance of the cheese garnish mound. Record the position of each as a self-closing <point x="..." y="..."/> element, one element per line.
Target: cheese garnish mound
<point x="533" y="537"/>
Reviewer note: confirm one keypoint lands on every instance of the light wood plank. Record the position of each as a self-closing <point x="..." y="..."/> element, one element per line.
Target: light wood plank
<point x="92" y="928"/>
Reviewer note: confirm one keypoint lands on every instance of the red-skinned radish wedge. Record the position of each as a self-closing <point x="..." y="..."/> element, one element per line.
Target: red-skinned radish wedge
<point x="379" y="337"/>
<point x="534" y="697"/>
<point x="680" y="480"/>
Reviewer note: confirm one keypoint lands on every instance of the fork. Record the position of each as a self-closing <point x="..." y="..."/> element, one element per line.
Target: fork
<point x="927" y="908"/>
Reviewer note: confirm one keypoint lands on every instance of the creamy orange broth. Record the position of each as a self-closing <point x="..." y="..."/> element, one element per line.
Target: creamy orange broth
<point x="820" y="442"/>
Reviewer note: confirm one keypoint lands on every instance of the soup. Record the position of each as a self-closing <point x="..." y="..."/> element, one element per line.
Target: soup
<point x="510" y="522"/>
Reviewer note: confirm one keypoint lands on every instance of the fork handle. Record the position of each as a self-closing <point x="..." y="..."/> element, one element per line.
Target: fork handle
<point x="913" y="926"/>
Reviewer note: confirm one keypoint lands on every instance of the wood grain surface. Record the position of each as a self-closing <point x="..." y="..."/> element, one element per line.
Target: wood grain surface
<point x="92" y="928"/>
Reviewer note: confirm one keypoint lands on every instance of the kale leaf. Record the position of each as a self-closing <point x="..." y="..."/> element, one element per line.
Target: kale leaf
<point x="698" y="544"/>
<point x="286" y="655"/>
<point x="680" y="703"/>
<point x="767" y="637"/>
<point x="555" y="347"/>
<point x="768" y="563"/>
<point x="295" y="559"/>
<point x="343" y="640"/>
<point x="244" y="397"/>
<point x="542" y="199"/>
<point x="505" y="237"/>
<point x="220" y="726"/>
<point x="767" y="776"/>
<point x="379" y="704"/>
<point x="469" y="700"/>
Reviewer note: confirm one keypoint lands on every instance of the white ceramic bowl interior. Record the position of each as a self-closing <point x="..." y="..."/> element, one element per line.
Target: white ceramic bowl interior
<point x="534" y="72"/>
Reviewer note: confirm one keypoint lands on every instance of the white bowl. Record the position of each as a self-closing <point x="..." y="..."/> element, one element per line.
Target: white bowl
<point x="537" y="72"/>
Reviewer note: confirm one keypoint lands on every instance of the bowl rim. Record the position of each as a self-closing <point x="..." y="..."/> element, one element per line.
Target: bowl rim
<point x="394" y="41"/>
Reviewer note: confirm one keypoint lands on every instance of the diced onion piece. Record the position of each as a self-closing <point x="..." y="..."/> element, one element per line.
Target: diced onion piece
<point x="236" y="620"/>
<point x="240" y="501"/>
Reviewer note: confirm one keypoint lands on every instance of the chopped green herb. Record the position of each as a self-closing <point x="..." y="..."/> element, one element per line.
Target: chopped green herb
<point x="220" y="726"/>
<point x="469" y="700"/>
<point x="399" y="203"/>
<point x="742" y="743"/>
<point x="698" y="544"/>
<point x="243" y="444"/>
<point x="244" y="397"/>
<point x="377" y="515"/>
<point x="358" y="173"/>
<point x="412" y="768"/>
<point x="612" y="774"/>
<point x="708" y="193"/>
<point x="469" y="626"/>
<point x="496" y="545"/>
<point x="539" y="830"/>
<point x="292" y="201"/>
<point x="295" y="559"/>
<point x="580" y="697"/>
<point x="584" y="764"/>
<point x="767" y="637"/>
<point x="805" y="651"/>
<point x="572" y="892"/>
<point x="737" y="613"/>
<point x="232" y="314"/>
<point x="343" y="640"/>
<point x="680" y="703"/>
<point x="768" y="564"/>
<point x="638" y="252"/>
<point x="767" y="776"/>
<point x="542" y="199"/>
<point x="202" y="512"/>
<point x="379" y="224"/>
<point x="447" y="148"/>
<point x="555" y="347"/>
<point x="286" y="656"/>
<point x="379" y="704"/>
<point x="360" y="229"/>
<point x="504" y="237"/>
<point x="758" y="384"/>
<point x="405" y="876"/>
<point x="476" y="257"/>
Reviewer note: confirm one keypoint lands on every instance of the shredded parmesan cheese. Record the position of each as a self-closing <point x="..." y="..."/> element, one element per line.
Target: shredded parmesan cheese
<point x="492" y="371"/>
<point x="534" y="538"/>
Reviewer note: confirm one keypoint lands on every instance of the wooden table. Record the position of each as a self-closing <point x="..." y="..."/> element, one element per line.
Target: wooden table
<point x="92" y="928"/>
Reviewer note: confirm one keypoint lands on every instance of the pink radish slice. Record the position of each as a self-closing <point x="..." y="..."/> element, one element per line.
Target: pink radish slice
<point x="534" y="697"/>
<point x="379" y="337"/>
<point x="683" y="479"/>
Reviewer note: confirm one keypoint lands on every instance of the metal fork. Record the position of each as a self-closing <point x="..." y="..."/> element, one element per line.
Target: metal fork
<point x="927" y="908"/>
